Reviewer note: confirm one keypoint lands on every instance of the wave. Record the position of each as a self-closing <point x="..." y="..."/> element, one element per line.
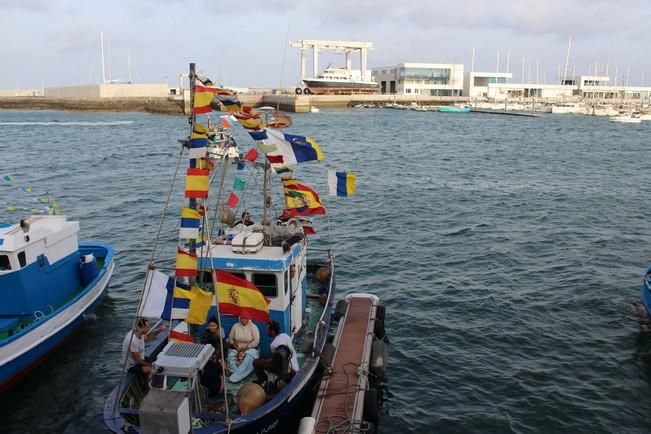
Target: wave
<point x="67" y="124"/>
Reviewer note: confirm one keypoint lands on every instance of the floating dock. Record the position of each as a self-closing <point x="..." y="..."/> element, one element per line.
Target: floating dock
<point x="347" y="401"/>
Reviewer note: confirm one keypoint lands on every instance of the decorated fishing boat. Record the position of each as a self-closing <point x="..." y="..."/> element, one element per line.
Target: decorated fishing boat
<point x="230" y="276"/>
<point x="49" y="283"/>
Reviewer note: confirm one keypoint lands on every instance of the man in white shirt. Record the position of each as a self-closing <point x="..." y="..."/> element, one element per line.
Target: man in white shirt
<point x="133" y="347"/>
<point x="279" y="339"/>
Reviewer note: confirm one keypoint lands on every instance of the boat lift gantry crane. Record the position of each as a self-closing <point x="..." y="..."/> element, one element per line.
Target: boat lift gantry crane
<point x="347" y="47"/>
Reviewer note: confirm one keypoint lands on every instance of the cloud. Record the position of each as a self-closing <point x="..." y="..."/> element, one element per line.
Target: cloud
<point x="29" y="5"/>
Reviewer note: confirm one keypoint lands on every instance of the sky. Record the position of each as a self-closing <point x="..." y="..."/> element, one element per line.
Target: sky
<point x="246" y="43"/>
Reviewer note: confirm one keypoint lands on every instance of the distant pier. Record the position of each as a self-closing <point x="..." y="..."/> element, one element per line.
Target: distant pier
<point x="507" y="113"/>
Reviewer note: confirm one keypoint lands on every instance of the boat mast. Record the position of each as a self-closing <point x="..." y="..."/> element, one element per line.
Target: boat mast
<point x="266" y="223"/>
<point x="101" y="41"/>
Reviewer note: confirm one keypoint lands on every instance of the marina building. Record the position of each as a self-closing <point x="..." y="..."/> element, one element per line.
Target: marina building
<point x="497" y="86"/>
<point x="109" y="90"/>
<point x="423" y="79"/>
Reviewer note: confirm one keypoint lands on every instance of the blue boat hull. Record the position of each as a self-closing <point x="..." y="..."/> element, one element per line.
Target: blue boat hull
<point x="35" y="342"/>
<point x="646" y="292"/>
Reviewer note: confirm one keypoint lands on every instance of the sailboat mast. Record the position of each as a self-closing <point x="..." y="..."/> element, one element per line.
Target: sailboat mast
<point x="567" y="58"/>
<point x="101" y="41"/>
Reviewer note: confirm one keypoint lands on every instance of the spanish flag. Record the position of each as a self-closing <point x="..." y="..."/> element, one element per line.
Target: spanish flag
<point x="197" y="182"/>
<point x="178" y="337"/>
<point x="186" y="264"/>
<point x="202" y="98"/>
<point x="239" y="297"/>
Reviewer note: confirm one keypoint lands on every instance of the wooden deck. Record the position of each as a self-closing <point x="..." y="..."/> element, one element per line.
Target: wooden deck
<point x="340" y="401"/>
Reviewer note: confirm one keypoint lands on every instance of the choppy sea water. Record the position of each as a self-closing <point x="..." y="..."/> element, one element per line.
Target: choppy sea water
<point x="506" y="250"/>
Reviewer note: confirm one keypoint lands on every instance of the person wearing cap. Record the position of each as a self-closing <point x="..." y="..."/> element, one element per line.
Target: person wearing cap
<point x="244" y="339"/>
<point x="279" y="339"/>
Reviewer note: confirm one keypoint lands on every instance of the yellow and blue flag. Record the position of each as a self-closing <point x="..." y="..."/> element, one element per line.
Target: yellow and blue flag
<point x="342" y="183"/>
<point x="190" y="223"/>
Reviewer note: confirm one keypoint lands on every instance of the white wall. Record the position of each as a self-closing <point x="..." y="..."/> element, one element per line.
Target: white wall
<point x="97" y="91"/>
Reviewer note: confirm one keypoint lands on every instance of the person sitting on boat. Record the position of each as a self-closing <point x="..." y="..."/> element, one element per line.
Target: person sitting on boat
<point x="214" y="335"/>
<point x="244" y="225"/>
<point x="284" y="216"/>
<point x="279" y="339"/>
<point x="211" y="376"/>
<point x="246" y="220"/>
<point x="244" y="339"/>
<point x="133" y="347"/>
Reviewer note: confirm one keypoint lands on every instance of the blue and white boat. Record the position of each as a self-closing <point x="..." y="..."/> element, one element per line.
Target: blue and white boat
<point x="273" y="257"/>
<point x="646" y="292"/>
<point x="48" y="284"/>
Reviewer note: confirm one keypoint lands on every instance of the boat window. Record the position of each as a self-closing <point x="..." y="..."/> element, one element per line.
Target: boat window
<point x="21" y="259"/>
<point x="266" y="283"/>
<point x="286" y="281"/>
<point x="4" y="263"/>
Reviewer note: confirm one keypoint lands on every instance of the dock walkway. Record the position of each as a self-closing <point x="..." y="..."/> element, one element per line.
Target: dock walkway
<point x="340" y="400"/>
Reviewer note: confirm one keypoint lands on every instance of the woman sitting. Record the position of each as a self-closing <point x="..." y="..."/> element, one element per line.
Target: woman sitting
<point x="212" y="374"/>
<point x="244" y="339"/>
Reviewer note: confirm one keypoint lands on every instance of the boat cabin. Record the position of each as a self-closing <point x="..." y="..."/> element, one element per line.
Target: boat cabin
<point x="39" y="265"/>
<point x="278" y="272"/>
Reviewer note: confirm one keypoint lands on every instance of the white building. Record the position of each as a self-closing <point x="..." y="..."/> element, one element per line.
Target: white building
<point x="496" y="86"/>
<point x="426" y="79"/>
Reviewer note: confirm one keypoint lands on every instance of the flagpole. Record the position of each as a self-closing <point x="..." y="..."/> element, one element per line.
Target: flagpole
<point x="266" y="205"/>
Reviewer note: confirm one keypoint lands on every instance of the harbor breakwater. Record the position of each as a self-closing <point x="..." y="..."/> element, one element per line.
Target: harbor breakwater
<point x="148" y="105"/>
<point x="177" y="106"/>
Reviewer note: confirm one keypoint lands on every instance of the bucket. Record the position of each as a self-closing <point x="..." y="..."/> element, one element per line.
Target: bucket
<point x="88" y="268"/>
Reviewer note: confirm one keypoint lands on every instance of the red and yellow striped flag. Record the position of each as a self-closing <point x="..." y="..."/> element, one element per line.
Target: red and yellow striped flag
<point x="237" y="296"/>
<point x="186" y="263"/>
<point x="202" y="98"/>
<point x="197" y="182"/>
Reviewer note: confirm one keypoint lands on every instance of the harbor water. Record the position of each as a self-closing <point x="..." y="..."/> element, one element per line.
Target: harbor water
<point x="506" y="250"/>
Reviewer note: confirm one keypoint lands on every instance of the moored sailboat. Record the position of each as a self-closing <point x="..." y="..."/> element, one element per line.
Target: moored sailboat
<point x="264" y="273"/>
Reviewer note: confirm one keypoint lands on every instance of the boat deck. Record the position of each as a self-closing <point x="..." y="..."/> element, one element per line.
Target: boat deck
<point x="340" y="400"/>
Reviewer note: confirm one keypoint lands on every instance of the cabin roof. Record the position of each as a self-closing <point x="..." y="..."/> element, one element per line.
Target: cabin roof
<point x="268" y="258"/>
<point x="12" y="237"/>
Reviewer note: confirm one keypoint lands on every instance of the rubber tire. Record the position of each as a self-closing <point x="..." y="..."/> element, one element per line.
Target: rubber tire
<point x="298" y="91"/>
<point x="307" y="91"/>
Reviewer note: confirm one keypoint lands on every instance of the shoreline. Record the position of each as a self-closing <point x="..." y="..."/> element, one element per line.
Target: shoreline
<point x="160" y="106"/>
